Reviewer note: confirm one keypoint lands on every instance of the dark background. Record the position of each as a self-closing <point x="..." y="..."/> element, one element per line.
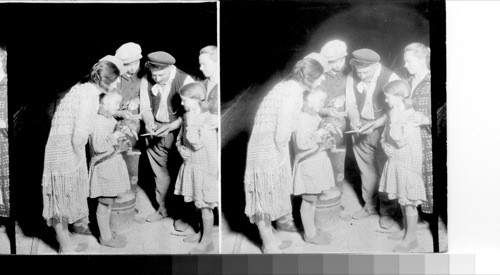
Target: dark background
<point x="261" y="42"/>
<point x="53" y="46"/>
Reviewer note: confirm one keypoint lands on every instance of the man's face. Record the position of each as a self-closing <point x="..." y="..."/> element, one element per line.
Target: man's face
<point x="337" y="65"/>
<point x="365" y="73"/>
<point x="132" y="67"/>
<point x="161" y="76"/>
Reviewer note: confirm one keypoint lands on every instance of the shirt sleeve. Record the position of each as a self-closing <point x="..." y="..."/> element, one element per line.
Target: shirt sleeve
<point x="306" y="137"/>
<point x="145" y="104"/>
<point x="101" y="140"/>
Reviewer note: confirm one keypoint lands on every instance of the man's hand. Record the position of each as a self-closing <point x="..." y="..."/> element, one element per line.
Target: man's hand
<point x="164" y="130"/>
<point x="151" y="127"/>
<point x="367" y="128"/>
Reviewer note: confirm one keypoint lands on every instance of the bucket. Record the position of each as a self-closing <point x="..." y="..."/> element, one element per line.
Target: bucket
<point x="328" y="209"/>
<point x="123" y="212"/>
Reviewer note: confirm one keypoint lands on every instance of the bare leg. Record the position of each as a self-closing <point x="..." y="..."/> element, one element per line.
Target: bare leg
<point x="103" y="214"/>
<point x="62" y="235"/>
<point x="266" y="234"/>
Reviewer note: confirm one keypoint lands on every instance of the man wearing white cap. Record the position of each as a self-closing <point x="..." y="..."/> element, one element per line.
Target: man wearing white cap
<point x="130" y="54"/>
<point x="334" y="85"/>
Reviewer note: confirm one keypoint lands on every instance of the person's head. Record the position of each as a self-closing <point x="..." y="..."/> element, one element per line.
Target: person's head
<point x="209" y="61"/>
<point x="110" y="101"/>
<point x="335" y="52"/>
<point x="105" y="74"/>
<point x="161" y="65"/>
<point x="3" y="60"/>
<point x="365" y="63"/>
<point x="193" y="96"/>
<point x="397" y="92"/>
<point x="417" y="57"/>
<point x="307" y="72"/>
<point x="315" y="99"/>
<point x="130" y="54"/>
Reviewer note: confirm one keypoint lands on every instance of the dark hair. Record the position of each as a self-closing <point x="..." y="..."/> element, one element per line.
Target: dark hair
<point x="306" y="71"/>
<point x="103" y="73"/>
<point x="399" y="88"/>
<point x="197" y="91"/>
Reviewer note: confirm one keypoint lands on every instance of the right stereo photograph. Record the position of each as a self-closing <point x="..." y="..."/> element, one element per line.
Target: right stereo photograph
<point x="331" y="138"/>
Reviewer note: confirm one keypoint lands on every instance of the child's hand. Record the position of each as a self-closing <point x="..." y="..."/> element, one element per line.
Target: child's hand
<point x="389" y="151"/>
<point x="118" y="135"/>
<point x="417" y="119"/>
<point x="185" y="153"/>
<point x="321" y="132"/>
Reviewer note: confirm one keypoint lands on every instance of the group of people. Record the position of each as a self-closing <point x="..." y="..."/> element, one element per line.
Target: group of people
<point x="117" y="104"/>
<point x="388" y="122"/>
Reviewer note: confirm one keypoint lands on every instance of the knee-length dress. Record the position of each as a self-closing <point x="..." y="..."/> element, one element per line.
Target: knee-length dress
<point x="4" y="154"/>
<point x="198" y="178"/>
<point x="312" y="168"/>
<point x="108" y="170"/>
<point x="421" y="97"/>
<point x="402" y="174"/>
<point x="268" y="175"/>
<point x="65" y="180"/>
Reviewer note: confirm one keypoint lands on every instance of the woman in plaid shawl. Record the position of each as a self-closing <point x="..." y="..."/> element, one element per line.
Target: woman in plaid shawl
<point x="417" y="60"/>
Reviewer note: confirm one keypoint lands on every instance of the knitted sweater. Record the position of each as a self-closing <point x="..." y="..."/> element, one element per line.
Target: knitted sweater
<point x="65" y="176"/>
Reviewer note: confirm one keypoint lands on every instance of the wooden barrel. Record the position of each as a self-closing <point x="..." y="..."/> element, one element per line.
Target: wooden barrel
<point x="328" y="209"/>
<point x="123" y="212"/>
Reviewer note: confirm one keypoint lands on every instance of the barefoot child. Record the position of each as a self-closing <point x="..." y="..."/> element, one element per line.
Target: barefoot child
<point x="198" y="178"/>
<point x="312" y="169"/>
<point x="108" y="171"/>
<point x="402" y="175"/>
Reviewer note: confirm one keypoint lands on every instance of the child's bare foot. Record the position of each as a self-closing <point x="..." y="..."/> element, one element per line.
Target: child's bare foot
<point x="271" y="249"/>
<point x="406" y="246"/>
<point x="397" y="236"/>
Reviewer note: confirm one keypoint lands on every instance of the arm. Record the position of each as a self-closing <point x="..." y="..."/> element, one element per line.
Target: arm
<point x="307" y="138"/>
<point x="388" y="149"/>
<point x="286" y="117"/>
<point x="145" y="106"/>
<point x="85" y="117"/>
<point x="101" y="140"/>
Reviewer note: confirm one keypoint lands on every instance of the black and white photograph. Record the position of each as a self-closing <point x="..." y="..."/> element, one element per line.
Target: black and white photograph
<point x="330" y="133"/>
<point x="113" y="128"/>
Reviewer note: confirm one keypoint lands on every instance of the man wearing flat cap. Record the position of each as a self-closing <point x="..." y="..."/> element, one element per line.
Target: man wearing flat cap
<point x="162" y="112"/>
<point x="130" y="54"/>
<point x="366" y="109"/>
<point x="333" y="111"/>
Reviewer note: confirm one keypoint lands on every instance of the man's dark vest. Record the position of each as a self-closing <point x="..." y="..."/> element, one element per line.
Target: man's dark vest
<point x="379" y="104"/>
<point x="175" y="108"/>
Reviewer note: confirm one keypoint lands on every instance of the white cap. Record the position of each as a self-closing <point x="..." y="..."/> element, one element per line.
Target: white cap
<point x="321" y="59"/>
<point x="118" y="63"/>
<point x="334" y="50"/>
<point x="129" y="52"/>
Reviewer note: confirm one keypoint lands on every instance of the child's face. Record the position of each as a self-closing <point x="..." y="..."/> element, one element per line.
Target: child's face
<point x="189" y="103"/>
<point x="392" y="100"/>
<point x="111" y="104"/>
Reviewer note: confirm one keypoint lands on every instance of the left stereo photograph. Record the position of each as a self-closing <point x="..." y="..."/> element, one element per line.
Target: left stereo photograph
<point x="112" y="128"/>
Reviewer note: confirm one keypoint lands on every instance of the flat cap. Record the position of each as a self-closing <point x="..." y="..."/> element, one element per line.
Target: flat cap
<point x="115" y="60"/>
<point x="364" y="58"/>
<point x="129" y="52"/>
<point x="160" y="59"/>
<point x="334" y="50"/>
<point x="321" y="59"/>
